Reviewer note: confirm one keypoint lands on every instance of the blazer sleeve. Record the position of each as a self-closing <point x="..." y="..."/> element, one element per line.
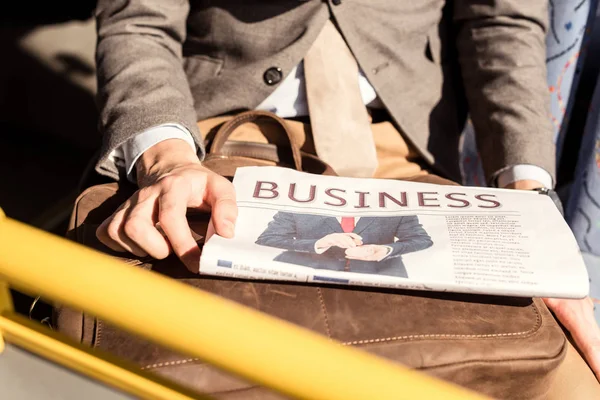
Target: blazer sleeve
<point x="282" y="233"/>
<point x="141" y="80"/>
<point x="501" y="50"/>
<point x="411" y="237"/>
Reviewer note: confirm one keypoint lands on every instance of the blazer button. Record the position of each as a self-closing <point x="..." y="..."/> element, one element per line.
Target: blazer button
<point x="273" y="76"/>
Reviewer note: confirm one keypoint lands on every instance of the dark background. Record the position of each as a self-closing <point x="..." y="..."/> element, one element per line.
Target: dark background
<point x="48" y="128"/>
<point x="48" y="133"/>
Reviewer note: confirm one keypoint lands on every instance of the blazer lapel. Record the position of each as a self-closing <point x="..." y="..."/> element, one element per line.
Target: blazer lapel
<point x="334" y="224"/>
<point x="363" y="222"/>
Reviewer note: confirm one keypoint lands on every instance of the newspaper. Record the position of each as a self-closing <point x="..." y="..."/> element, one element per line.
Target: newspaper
<point x="301" y="227"/>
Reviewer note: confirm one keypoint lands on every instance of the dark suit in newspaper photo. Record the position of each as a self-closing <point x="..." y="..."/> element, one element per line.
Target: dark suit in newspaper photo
<point x="362" y="244"/>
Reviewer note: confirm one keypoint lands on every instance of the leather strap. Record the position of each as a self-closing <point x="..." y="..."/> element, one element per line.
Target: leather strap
<point x="266" y="152"/>
<point x="254" y="116"/>
<point x="261" y="151"/>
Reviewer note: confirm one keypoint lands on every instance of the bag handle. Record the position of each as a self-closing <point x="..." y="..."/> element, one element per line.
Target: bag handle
<point x="253" y="116"/>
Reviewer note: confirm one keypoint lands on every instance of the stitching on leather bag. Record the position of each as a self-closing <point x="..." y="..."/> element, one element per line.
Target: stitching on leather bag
<point x="255" y="157"/>
<point x="249" y="154"/>
<point x="98" y="332"/>
<point x="82" y="327"/>
<point x="328" y="330"/>
<point x="370" y="341"/>
<point x="170" y="363"/>
<point x="536" y="326"/>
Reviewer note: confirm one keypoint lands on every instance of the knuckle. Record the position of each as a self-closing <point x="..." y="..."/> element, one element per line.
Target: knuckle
<point x="172" y="181"/>
<point x="227" y="206"/>
<point x="223" y="187"/>
<point x="226" y="201"/>
<point x="146" y="192"/>
<point x="113" y="230"/>
<point x="167" y="207"/>
<point x="166" y="215"/>
<point x="133" y="227"/>
<point x="216" y="179"/>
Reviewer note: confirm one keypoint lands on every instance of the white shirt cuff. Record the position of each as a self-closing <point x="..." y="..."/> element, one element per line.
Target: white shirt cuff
<point x="389" y="251"/>
<point x="127" y="154"/>
<point x="524" y="172"/>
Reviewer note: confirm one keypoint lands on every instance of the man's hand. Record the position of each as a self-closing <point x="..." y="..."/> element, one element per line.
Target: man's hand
<point x="343" y="240"/>
<point x="171" y="180"/>
<point x="578" y="317"/>
<point x="525" y="184"/>
<point x="368" y="252"/>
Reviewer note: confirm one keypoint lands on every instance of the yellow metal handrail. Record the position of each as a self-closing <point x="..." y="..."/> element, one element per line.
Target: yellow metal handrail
<point x="255" y="346"/>
<point x="40" y="340"/>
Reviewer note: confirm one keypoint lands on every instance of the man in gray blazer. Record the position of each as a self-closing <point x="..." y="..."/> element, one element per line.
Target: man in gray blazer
<point x="371" y="245"/>
<point x="164" y="65"/>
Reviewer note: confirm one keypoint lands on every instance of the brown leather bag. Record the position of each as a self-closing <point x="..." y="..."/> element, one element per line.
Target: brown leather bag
<point x="225" y="156"/>
<point x="505" y="347"/>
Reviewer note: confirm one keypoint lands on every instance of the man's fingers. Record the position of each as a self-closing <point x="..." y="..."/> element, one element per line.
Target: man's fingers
<point x="586" y="334"/>
<point x="140" y="227"/>
<point x="344" y="241"/>
<point x="171" y="215"/>
<point x="220" y="195"/>
<point x="103" y="234"/>
<point x="357" y="238"/>
<point x="104" y="238"/>
<point x="587" y="339"/>
<point x="362" y="258"/>
<point x="349" y="241"/>
<point x="115" y="231"/>
<point x="592" y="355"/>
<point x="359" y="253"/>
<point x="578" y="317"/>
<point x="338" y="242"/>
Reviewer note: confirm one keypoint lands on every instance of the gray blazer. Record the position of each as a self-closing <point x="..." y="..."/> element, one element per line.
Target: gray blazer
<point x="430" y="61"/>
<point x="298" y="234"/>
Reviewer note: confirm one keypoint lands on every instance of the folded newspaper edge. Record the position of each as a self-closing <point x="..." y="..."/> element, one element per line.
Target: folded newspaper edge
<point x="319" y="229"/>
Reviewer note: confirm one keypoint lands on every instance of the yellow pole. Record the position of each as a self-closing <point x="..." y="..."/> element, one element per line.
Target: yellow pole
<point x="258" y="347"/>
<point x="6" y="304"/>
<point x="41" y="340"/>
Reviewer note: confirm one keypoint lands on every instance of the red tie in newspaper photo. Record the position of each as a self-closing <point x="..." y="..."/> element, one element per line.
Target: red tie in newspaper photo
<point x="347" y="224"/>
